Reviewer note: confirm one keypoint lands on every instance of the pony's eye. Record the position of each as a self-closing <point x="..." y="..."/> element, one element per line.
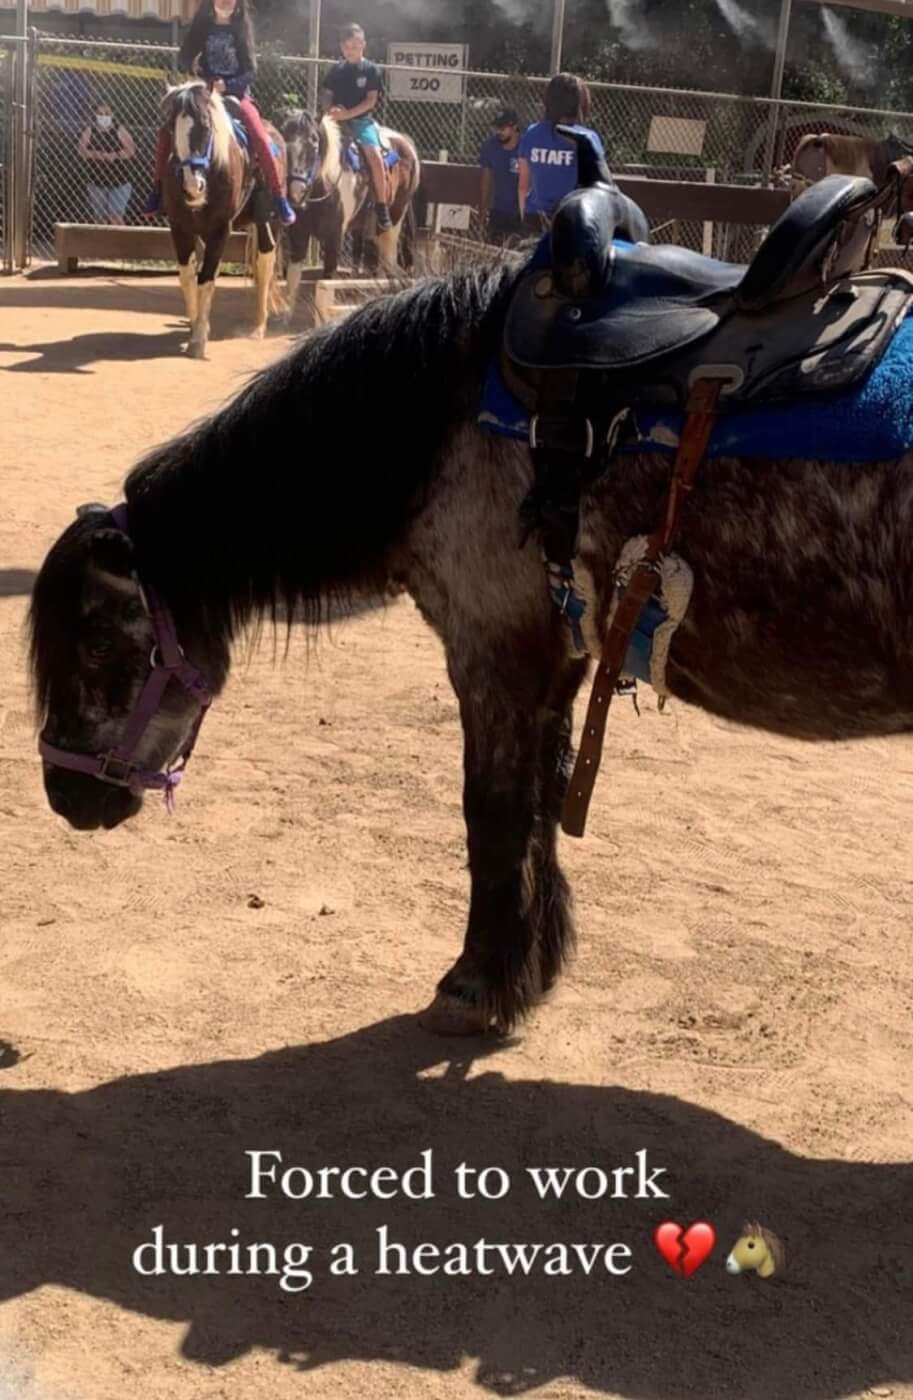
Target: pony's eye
<point x="96" y="654"/>
<point x="97" y="645"/>
<point x="751" y="1244"/>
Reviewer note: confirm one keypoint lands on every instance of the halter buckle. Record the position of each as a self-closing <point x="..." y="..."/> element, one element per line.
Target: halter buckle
<point x="116" y="770"/>
<point x="156" y="660"/>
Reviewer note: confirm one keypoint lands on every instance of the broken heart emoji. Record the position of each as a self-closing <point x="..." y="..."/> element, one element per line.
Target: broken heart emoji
<point x="685" y="1250"/>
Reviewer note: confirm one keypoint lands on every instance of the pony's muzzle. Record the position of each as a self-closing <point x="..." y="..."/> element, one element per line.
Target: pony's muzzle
<point x="194" y="188"/>
<point x="732" y="1265"/>
<point x="87" y="804"/>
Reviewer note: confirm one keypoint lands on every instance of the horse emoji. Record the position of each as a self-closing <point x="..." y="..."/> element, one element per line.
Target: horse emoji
<point x="757" y="1249"/>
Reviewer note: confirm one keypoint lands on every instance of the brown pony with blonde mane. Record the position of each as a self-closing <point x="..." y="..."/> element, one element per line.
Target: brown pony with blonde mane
<point x="212" y="186"/>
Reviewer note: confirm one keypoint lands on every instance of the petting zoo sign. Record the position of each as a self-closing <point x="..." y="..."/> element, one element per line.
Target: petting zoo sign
<point x="439" y="77"/>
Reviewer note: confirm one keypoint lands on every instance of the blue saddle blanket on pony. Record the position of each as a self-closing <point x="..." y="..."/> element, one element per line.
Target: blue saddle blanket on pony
<point x="243" y="140"/>
<point x="352" y="158"/>
<point x="872" y="422"/>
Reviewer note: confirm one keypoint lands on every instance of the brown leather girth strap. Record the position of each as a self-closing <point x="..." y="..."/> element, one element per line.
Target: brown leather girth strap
<point x="699" y="421"/>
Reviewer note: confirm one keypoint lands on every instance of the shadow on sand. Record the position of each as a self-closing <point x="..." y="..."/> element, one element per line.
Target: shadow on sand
<point x="89" y="1175"/>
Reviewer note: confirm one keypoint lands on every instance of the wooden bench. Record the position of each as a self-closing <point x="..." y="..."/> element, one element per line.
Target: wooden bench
<point x="333" y="297"/>
<point x="106" y="243"/>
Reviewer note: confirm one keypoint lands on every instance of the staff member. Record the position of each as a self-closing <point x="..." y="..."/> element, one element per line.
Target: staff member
<point x="548" y="161"/>
<point x="500" y="178"/>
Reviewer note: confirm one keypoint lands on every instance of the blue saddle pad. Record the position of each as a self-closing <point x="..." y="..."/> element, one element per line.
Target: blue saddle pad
<point x="872" y="422"/>
<point x="352" y="158"/>
<point x="240" y="131"/>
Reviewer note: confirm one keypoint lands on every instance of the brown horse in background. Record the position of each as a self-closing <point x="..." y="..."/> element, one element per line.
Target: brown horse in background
<point x="887" y="163"/>
<point x="212" y="186"/>
<point x="330" y="197"/>
<point x="831" y="153"/>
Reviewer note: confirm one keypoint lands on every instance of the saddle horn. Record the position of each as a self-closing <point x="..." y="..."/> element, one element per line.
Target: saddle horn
<point x="587" y="220"/>
<point x="591" y="166"/>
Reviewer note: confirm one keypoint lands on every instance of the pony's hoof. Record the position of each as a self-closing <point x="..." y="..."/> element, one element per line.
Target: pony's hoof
<point x="449" y="1016"/>
<point x="258" y="333"/>
<point x="196" y="351"/>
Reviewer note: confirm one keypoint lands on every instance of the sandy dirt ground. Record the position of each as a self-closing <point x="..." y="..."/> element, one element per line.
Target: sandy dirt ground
<point x="245" y="974"/>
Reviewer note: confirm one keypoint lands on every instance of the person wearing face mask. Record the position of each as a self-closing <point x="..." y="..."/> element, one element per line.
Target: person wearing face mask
<point x="220" y="47"/>
<point x="106" y="146"/>
<point x="500" y="176"/>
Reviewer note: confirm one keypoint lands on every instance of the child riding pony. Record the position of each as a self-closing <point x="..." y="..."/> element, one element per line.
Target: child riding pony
<point x="351" y="91"/>
<point x="220" y="47"/>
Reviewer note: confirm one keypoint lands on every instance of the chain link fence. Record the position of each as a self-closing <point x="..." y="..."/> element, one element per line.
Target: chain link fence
<point x="72" y="79"/>
<point x="661" y="133"/>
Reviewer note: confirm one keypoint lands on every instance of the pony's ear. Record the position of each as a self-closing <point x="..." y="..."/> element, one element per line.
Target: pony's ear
<point x="112" y="557"/>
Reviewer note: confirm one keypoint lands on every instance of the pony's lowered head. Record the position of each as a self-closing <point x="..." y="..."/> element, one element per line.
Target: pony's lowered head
<point x="96" y="644"/>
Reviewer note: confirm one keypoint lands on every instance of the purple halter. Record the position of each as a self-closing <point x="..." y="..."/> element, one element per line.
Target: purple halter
<point x="166" y="660"/>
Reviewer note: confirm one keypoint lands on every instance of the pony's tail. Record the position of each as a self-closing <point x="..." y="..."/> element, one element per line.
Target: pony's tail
<point x="250" y="254"/>
<point x="407" y="239"/>
<point x="278" y="302"/>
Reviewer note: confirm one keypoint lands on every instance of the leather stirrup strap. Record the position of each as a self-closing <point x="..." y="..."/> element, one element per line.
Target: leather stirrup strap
<point x="701" y="416"/>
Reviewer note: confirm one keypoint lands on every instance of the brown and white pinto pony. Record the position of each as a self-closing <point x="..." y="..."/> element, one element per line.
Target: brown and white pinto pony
<point x="210" y="188"/>
<point x="833" y="154"/>
<point x="330" y="198"/>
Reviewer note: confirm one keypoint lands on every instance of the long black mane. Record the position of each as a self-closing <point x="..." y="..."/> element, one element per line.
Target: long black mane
<point x="294" y="494"/>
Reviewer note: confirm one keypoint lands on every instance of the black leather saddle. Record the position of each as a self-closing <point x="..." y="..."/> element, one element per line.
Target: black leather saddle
<point x="802" y="317"/>
<point x="600" y="323"/>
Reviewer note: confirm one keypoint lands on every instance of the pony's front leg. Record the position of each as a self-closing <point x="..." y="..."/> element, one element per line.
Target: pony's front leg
<point x="188" y="275"/>
<point x="516" y="724"/>
<point x="184" y="245"/>
<point x="332" y="249"/>
<point x="199" y="334"/>
<point x="296" y="244"/>
<point x="293" y="286"/>
<point x="387" y="249"/>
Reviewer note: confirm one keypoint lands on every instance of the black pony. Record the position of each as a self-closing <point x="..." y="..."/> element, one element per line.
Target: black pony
<point x="800" y="620"/>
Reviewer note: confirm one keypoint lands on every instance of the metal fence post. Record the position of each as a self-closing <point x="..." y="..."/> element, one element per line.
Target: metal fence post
<point x="17" y="193"/>
<point x="313" y="92"/>
<point x="17" y="160"/>
<point x="7" y="78"/>
<point x="770" y="146"/>
<point x="29" y="118"/>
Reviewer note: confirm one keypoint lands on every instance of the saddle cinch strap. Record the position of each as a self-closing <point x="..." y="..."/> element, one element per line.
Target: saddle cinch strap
<point x="601" y="324"/>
